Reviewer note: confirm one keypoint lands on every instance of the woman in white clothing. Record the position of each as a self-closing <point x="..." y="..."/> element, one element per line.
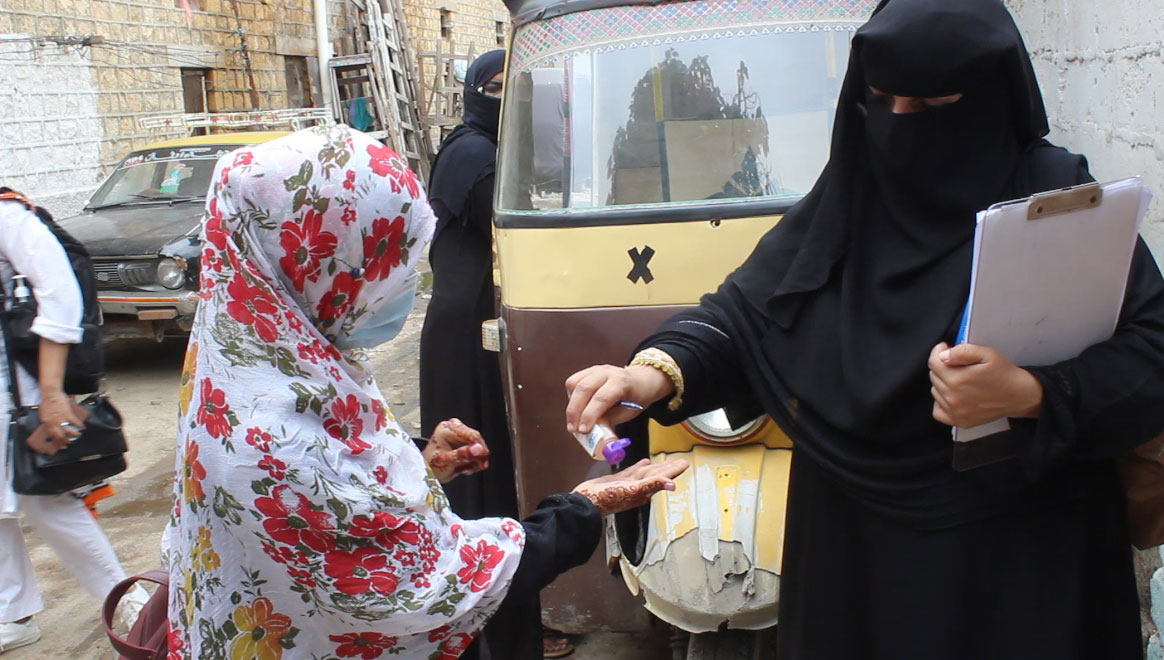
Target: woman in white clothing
<point x="28" y="247"/>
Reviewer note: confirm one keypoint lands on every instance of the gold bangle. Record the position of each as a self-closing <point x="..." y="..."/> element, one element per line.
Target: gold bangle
<point x="661" y="360"/>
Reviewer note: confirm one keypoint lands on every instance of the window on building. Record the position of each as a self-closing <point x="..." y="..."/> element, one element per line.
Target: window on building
<point x="194" y="96"/>
<point x="499" y="27"/>
<point x="446" y="24"/>
<point x="298" y="82"/>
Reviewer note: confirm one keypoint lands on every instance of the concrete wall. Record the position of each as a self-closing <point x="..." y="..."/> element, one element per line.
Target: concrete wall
<point x="1101" y="67"/>
<point x="69" y="113"/>
<point x="50" y="130"/>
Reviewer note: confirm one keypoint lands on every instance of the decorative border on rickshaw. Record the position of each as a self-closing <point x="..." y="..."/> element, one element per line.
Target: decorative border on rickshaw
<point x="633" y="25"/>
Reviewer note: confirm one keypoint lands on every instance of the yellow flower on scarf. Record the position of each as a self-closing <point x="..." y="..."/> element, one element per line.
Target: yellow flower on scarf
<point x="205" y="558"/>
<point x="188" y="597"/>
<point x="259" y="631"/>
<point x="186" y="390"/>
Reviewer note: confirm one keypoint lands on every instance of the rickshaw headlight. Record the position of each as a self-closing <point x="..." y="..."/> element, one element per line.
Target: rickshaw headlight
<point x="170" y="274"/>
<point x="714" y="427"/>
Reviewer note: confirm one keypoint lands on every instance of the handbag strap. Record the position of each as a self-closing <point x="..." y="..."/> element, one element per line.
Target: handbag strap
<point x="13" y="386"/>
<point x="109" y="608"/>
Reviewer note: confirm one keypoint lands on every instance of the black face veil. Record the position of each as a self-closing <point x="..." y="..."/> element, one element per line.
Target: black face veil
<point x="461" y="163"/>
<point x="871" y="270"/>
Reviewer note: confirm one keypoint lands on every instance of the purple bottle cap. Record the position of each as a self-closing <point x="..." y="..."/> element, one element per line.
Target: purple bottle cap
<point x="615" y="450"/>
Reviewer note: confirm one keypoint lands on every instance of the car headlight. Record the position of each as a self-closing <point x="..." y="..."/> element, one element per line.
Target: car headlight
<point x="714" y="427"/>
<point x="171" y="274"/>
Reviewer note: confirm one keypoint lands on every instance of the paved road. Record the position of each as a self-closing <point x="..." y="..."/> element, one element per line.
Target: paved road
<point x="143" y="381"/>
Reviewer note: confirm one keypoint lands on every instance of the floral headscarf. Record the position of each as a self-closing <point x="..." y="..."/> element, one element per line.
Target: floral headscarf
<point x="306" y="523"/>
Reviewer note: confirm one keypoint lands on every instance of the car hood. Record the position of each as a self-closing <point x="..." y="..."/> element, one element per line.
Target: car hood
<point x="133" y="230"/>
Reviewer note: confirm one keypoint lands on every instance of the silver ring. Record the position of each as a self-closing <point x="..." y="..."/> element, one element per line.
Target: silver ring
<point x="70" y="440"/>
<point x="64" y="424"/>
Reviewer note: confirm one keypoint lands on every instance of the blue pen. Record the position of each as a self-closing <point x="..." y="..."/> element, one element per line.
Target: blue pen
<point x="964" y="326"/>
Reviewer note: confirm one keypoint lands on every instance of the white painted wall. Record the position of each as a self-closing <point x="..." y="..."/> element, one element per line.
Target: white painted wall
<point x="50" y="132"/>
<point x="1101" y="68"/>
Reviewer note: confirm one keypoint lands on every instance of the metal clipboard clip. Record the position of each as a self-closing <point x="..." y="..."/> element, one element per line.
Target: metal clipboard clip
<point x="1065" y="200"/>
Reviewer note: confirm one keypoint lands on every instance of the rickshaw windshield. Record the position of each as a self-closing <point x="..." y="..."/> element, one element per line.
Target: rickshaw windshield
<point x="685" y="117"/>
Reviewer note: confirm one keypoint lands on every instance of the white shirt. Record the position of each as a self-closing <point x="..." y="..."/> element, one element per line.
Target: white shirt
<point x="29" y="248"/>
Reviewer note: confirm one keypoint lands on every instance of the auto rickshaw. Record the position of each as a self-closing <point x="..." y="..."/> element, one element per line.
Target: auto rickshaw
<point x="644" y="150"/>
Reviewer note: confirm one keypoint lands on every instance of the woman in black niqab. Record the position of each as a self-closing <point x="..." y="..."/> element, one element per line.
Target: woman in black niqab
<point x="829" y="325"/>
<point x="459" y="378"/>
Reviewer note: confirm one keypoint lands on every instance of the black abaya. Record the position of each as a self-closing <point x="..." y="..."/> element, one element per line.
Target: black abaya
<point x="459" y="378"/>
<point x="890" y="553"/>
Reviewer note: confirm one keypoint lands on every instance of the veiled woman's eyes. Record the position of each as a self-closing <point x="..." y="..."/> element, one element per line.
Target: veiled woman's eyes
<point x="907" y="104"/>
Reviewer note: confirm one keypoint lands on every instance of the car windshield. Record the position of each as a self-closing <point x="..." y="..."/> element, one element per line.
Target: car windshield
<point x="693" y="115"/>
<point x="179" y="173"/>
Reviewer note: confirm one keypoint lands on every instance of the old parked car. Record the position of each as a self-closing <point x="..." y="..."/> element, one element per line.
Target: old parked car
<point x="141" y="228"/>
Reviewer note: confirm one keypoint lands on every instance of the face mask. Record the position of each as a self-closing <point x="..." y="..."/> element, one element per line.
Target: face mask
<point x="958" y="157"/>
<point x="384" y="324"/>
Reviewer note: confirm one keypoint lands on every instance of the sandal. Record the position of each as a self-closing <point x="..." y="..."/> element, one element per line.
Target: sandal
<point x="554" y="646"/>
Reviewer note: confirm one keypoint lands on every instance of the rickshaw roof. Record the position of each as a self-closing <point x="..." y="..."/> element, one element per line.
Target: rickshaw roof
<point x="527" y="11"/>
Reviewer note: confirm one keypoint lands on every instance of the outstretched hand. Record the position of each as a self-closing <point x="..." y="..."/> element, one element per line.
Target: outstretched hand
<point x="632" y="487"/>
<point x="973" y="385"/>
<point x="455" y="449"/>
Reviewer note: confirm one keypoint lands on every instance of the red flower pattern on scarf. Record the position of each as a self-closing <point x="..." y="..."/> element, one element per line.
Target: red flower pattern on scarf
<point x="367" y="645"/>
<point x="215" y="231"/>
<point x="383" y="248"/>
<point x="361" y="570"/>
<point x="213" y="413"/>
<point x="344" y="423"/>
<point x="479" y="564"/>
<point x="453" y="647"/>
<point x="388" y="530"/>
<point x="259" y="439"/>
<point x="305" y="244"/>
<point x="386" y="162"/>
<point x="381" y="474"/>
<point x="252" y="306"/>
<point x="291" y="520"/>
<point x="336" y="302"/>
<point x="274" y="467"/>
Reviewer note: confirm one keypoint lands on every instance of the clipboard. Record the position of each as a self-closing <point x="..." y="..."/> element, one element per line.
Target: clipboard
<point x="1047" y="281"/>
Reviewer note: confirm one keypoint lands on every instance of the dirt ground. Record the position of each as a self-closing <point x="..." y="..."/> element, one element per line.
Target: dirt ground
<point x="143" y="382"/>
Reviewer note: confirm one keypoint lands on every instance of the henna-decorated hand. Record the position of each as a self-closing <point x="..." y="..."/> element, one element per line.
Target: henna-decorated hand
<point x="455" y="449"/>
<point x="633" y="487"/>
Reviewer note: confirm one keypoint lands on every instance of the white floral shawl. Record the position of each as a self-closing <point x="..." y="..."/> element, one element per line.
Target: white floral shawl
<point x="306" y="524"/>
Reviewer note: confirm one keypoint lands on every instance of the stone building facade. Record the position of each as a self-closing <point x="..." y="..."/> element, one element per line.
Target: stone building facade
<point x="76" y="75"/>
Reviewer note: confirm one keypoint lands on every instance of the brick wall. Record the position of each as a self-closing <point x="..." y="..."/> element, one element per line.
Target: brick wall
<point x="65" y="132"/>
<point x="473" y="22"/>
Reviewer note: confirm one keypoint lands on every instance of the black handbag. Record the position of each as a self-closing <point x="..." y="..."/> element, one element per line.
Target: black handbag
<point x="98" y="453"/>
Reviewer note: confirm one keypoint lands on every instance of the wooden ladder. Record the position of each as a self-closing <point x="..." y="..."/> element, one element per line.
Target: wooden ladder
<point x="390" y="49"/>
<point x="351" y="77"/>
<point x="385" y="75"/>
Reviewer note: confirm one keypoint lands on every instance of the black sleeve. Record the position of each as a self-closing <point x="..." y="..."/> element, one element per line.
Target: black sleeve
<point x="1110" y="398"/>
<point x="561" y="534"/>
<point x="701" y="341"/>
<point x="481" y="206"/>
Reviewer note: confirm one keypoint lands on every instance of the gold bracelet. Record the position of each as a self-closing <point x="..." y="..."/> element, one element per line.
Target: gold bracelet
<point x="661" y="360"/>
